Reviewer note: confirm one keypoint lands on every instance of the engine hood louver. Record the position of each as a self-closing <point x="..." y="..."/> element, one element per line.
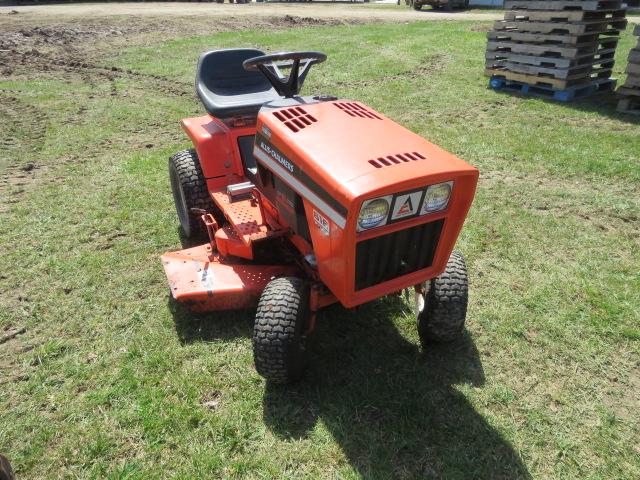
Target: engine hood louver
<point x="295" y="118"/>
<point x="356" y="110"/>
<point x="390" y="160"/>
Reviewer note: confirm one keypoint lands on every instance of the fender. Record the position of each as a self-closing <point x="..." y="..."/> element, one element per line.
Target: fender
<point x="216" y="145"/>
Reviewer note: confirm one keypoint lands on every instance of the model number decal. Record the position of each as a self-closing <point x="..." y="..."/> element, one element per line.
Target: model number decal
<point x="321" y="222"/>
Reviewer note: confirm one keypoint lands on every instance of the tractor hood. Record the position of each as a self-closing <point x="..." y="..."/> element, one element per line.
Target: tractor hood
<point x="348" y="152"/>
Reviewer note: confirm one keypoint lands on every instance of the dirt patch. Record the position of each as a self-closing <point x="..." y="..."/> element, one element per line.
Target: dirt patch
<point x="481" y="27"/>
<point x="13" y="347"/>
<point x="624" y="403"/>
<point x="78" y="34"/>
<point x="74" y="49"/>
<point x="56" y="35"/>
<point x="74" y="46"/>
<point x="11" y="333"/>
<point x="252" y="11"/>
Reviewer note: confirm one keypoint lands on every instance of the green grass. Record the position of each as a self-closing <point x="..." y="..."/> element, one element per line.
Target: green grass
<point x="110" y="380"/>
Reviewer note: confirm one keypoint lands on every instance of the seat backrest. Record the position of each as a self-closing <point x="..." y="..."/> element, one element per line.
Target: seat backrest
<point x="221" y="81"/>
<point x="221" y="71"/>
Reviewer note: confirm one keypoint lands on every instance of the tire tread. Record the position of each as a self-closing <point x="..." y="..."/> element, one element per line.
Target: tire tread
<point x="194" y="186"/>
<point x="445" y="309"/>
<point x="278" y="346"/>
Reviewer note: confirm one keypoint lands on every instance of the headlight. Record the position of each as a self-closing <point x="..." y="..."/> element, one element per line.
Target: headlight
<point x="437" y="197"/>
<point x="374" y="212"/>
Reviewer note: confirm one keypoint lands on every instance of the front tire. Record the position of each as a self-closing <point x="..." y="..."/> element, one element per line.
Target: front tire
<point x="190" y="191"/>
<point x="279" y="344"/>
<point x="442" y="310"/>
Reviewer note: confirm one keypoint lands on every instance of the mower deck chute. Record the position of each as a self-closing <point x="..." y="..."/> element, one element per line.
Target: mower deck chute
<point x="206" y="283"/>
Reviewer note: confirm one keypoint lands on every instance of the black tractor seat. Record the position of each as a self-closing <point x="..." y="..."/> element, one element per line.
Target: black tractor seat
<point x="226" y="89"/>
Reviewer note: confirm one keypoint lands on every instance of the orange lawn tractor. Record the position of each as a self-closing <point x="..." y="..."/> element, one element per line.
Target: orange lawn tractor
<point x="308" y="201"/>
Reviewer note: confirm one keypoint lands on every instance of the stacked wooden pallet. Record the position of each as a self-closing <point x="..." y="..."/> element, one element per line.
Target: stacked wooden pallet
<point x="630" y="91"/>
<point x="562" y="48"/>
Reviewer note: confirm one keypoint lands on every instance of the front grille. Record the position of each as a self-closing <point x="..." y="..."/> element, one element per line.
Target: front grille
<point x="390" y="256"/>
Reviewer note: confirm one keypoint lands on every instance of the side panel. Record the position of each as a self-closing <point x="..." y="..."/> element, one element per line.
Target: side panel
<point x="327" y="239"/>
<point x="289" y="205"/>
<point x="216" y="145"/>
<point x="276" y="155"/>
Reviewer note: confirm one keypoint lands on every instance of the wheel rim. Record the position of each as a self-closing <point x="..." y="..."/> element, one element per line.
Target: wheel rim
<point x="419" y="301"/>
<point x="180" y="201"/>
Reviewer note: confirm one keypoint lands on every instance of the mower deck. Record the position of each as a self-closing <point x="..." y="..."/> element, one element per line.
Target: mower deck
<point x="206" y="282"/>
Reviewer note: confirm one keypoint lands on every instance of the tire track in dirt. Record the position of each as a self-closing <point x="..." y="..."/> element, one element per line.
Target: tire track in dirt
<point x="60" y="50"/>
<point x="51" y="64"/>
<point x="26" y="126"/>
<point x="22" y="134"/>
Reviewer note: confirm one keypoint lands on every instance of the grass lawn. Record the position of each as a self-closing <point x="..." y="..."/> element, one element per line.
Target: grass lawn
<point x="110" y="380"/>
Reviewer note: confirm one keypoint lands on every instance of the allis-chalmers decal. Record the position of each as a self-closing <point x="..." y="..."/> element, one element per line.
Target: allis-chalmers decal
<point x="297" y="179"/>
<point x="276" y="156"/>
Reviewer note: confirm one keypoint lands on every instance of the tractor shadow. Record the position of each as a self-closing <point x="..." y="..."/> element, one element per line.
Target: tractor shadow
<point x="186" y="242"/>
<point x="604" y="104"/>
<point x="394" y="410"/>
<point x="206" y="327"/>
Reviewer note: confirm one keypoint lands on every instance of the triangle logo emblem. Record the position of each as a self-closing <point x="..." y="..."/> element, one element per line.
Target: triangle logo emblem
<point x="406" y="205"/>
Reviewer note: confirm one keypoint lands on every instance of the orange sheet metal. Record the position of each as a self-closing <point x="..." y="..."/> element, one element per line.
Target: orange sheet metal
<point x="244" y="216"/>
<point x="217" y="284"/>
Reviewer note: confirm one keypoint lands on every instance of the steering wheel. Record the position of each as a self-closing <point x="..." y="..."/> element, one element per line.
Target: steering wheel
<point x="271" y="65"/>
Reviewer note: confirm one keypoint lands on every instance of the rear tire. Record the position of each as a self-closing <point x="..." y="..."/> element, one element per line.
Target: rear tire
<point x="189" y="189"/>
<point x="443" y="311"/>
<point x="279" y="345"/>
<point x="6" y="472"/>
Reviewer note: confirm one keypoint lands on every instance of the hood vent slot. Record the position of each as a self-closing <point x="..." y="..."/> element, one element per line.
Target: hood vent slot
<point x="296" y="118"/>
<point x="356" y="110"/>
<point x="397" y="158"/>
